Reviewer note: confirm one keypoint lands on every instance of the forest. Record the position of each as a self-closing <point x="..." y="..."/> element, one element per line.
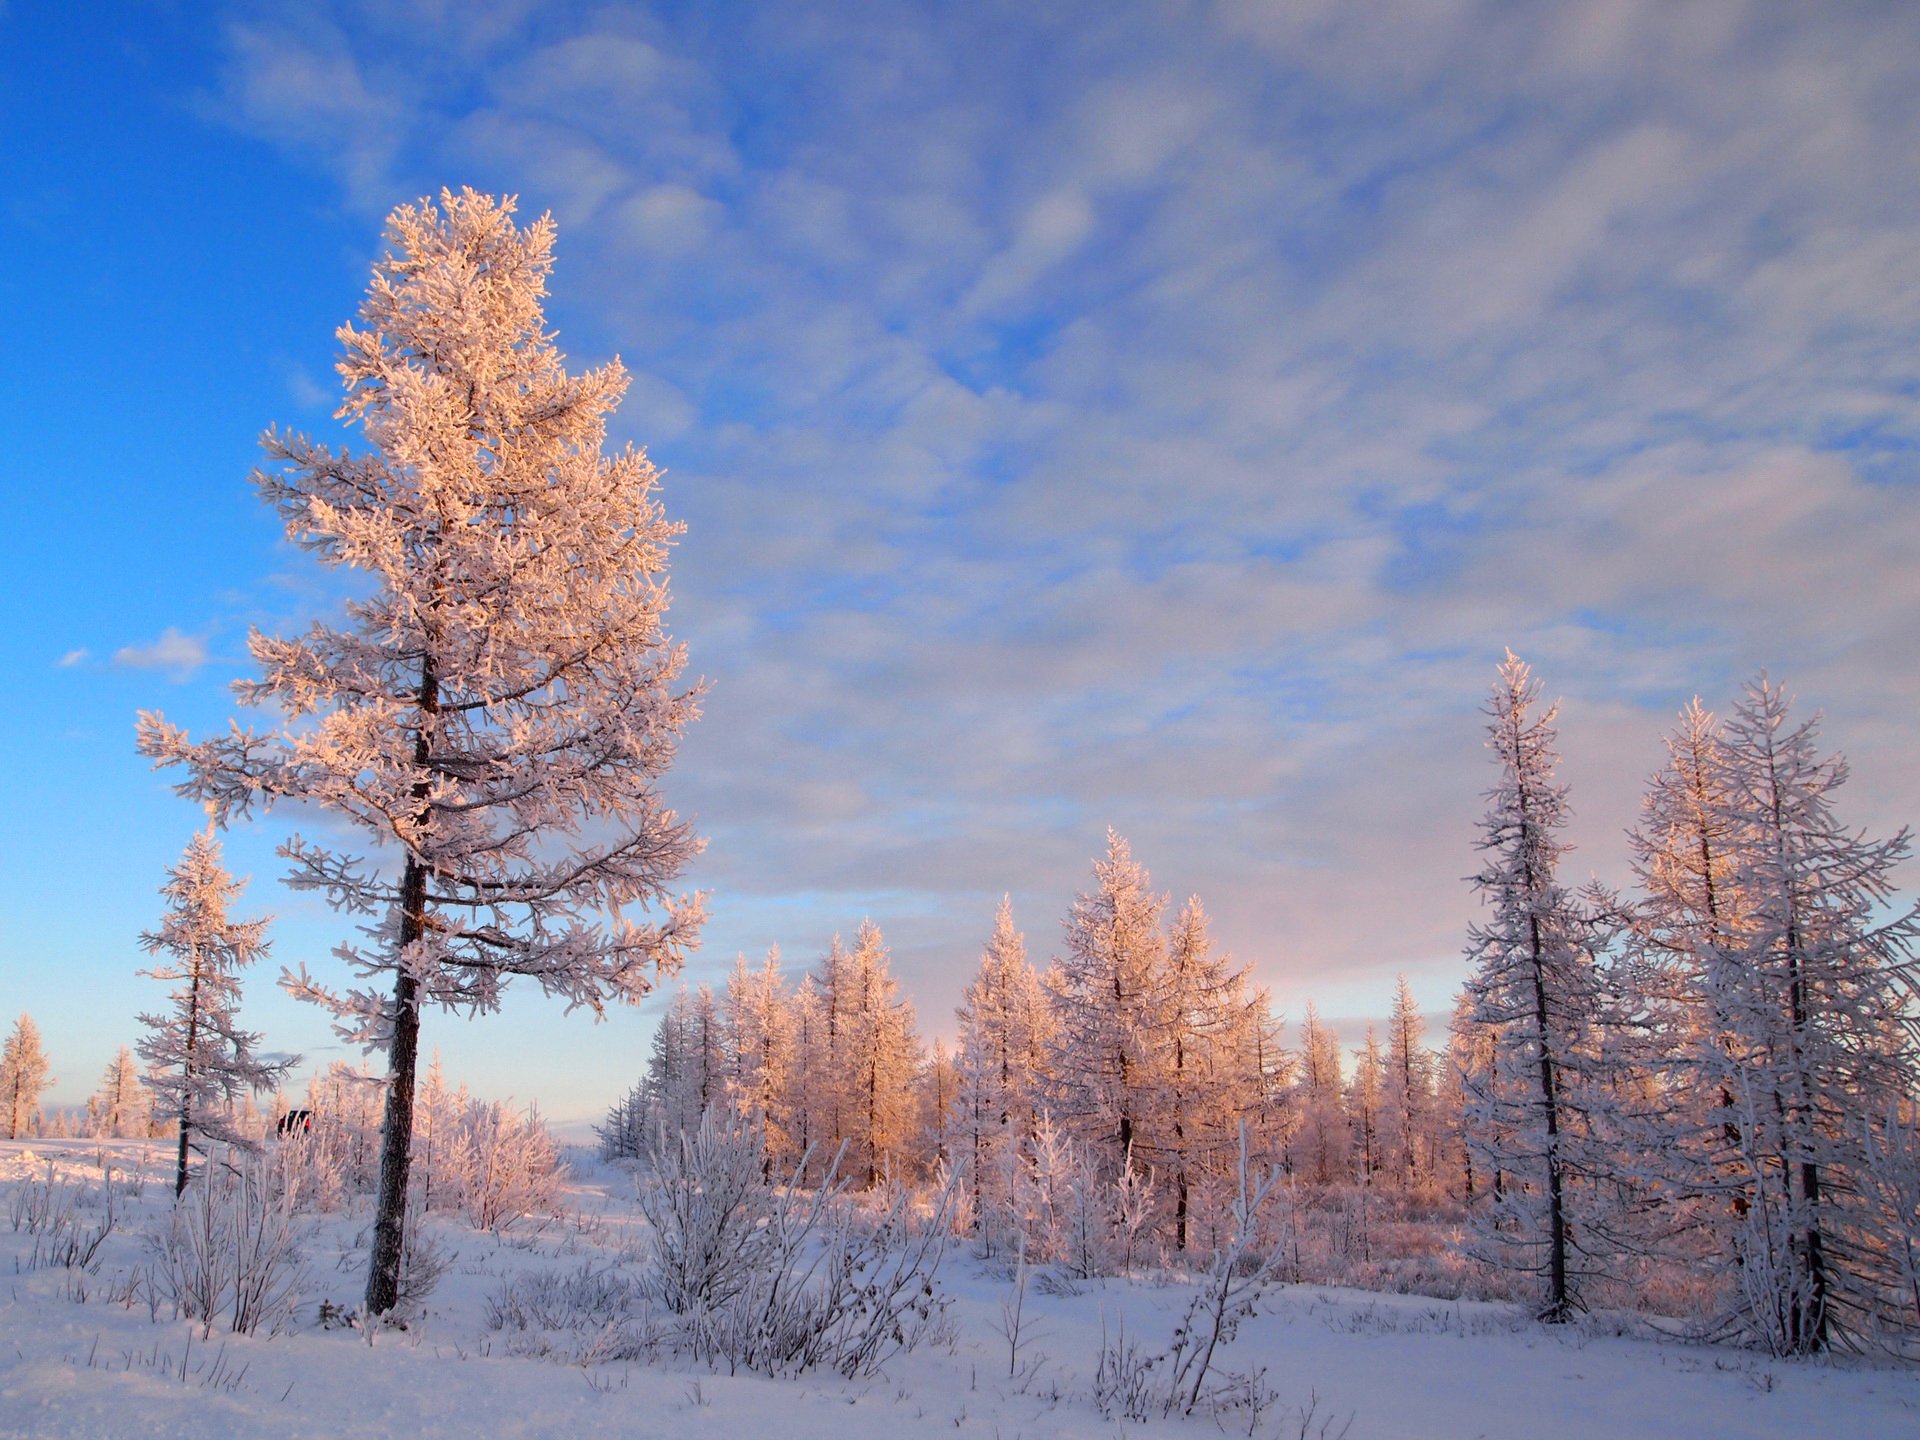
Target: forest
<point x="1695" y="1097"/>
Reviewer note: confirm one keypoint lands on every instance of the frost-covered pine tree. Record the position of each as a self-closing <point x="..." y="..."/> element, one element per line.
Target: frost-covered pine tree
<point x="1407" y="1095"/>
<point x="1535" y="989"/>
<point x="1111" y="1007"/>
<point x="880" y="1055"/>
<point x="1364" y="1105"/>
<point x="825" y="1092"/>
<point x="1208" y="1075"/>
<point x="687" y="1068"/>
<point x="1321" y="1142"/>
<point x="760" y="1045"/>
<point x="1006" y="1029"/>
<point x="23" y="1076"/>
<point x="119" y="1108"/>
<point x="495" y="715"/>
<point x="1805" y="1041"/>
<point x="201" y="1061"/>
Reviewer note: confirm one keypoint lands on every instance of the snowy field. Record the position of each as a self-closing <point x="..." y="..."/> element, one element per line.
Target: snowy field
<point x="80" y="1356"/>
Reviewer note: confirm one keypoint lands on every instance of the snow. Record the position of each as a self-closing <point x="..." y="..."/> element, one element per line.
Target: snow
<point x="1392" y="1365"/>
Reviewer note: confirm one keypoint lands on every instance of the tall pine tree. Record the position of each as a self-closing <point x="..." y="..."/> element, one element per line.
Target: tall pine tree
<point x="1535" y="988"/>
<point x="501" y="705"/>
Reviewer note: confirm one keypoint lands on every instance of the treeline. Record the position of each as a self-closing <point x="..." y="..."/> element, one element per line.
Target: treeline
<point x="1699" y="1091"/>
<point x="1143" y="1049"/>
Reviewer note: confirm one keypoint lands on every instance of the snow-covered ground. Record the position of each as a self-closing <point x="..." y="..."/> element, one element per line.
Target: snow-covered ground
<point x="1380" y="1366"/>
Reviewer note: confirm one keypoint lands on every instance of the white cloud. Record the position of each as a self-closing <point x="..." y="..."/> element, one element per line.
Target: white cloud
<point x="73" y="658"/>
<point x="176" y="653"/>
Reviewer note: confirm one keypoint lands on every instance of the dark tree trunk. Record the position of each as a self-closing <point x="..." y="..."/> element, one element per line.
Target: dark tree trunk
<point x="403" y="1052"/>
<point x="1558" y="1307"/>
<point x="186" y="1076"/>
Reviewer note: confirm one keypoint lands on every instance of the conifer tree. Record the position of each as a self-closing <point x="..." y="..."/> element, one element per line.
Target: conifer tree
<point x="501" y="705"/>
<point x="203" y="1061"/>
<point x="23" y="1076"/>
<point x="1535" y="987"/>
<point x="760" y="1046"/>
<point x="1365" y="1093"/>
<point x="1321" y="1143"/>
<point x="1804" y="1035"/>
<point x="1407" y="1094"/>
<point x="1111" y="1006"/>
<point x="880" y="1054"/>
<point x="1468" y="1069"/>
<point x="1006" y="1030"/>
<point x="120" y="1107"/>
<point x="1203" y="1097"/>
<point x="687" y="1064"/>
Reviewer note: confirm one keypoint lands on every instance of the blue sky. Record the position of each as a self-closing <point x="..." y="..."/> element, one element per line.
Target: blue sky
<point x="1157" y="416"/>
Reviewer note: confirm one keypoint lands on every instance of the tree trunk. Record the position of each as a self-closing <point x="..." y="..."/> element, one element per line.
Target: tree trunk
<point x="1558" y="1307"/>
<point x="403" y="1052"/>
<point x="186" y="1076"/>
<point x="396" y="1133"/>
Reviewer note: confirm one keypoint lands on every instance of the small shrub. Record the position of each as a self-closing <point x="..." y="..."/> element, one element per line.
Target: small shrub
<point x="228" y="1251"/>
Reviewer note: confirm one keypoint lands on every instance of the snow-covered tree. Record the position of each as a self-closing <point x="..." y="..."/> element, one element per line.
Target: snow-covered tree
<point x="1803" y="1042"/>
<point x="687" y="1065"/>
<point x="120" y="1107"/>
<point x="1468" y="1067"/>
<point x="1006" y="1030"/>
<point x="23" y="1076"/>
<point x="1365" y="1096"/>
<point x="1321" y="1141"/>
<point x="880" y="1054"/>
<point x="1111" y="1006"/>
<point x="825" y="1089"/>
<point x="1207" y="1065"/>
<point x="1536" y="990"/>
<point x="1406" y="1100"/>
<point x="760" y="1050"/>
<point x="498" y="710"/>
<point x="203" y="1062"/>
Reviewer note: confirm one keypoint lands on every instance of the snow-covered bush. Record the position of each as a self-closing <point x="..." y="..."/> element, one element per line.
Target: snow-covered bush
<point x="481" y="1159"/>
<point x="505" y="1165"/>
<point x="780" y="1281"/>
<point x="229" y="1250"/>
<point x="1137" y="1383"/>
<point x="51" y="1210"/>
<point x="587" y="1314"/>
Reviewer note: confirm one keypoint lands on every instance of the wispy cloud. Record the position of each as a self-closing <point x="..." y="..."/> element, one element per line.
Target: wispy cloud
<point x="78" y="656"/>
<point x="178" y="654"/>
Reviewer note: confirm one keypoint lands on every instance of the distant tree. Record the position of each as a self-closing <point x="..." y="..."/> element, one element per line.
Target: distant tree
<point x="504" y="700"/>
<point x="23" y="1076"/>
<point x="1111" y="1005"/>
<point x="1321" y="1144"/>
<point x="119" y="1108"/>
<point x="1407" y="1094"/>
<point x="1001" y="1070"/>
<point x="1365" y="1095"/>
<point x="939" y="1090"/>
<point x="687" y="1066"/>
<point x="880" y="1053"/>
<point x="1208" y="1075"/>
<point x="1535" y="988"/>
<point x="202" y="1060"/>
<point x="760" y="1051"/>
